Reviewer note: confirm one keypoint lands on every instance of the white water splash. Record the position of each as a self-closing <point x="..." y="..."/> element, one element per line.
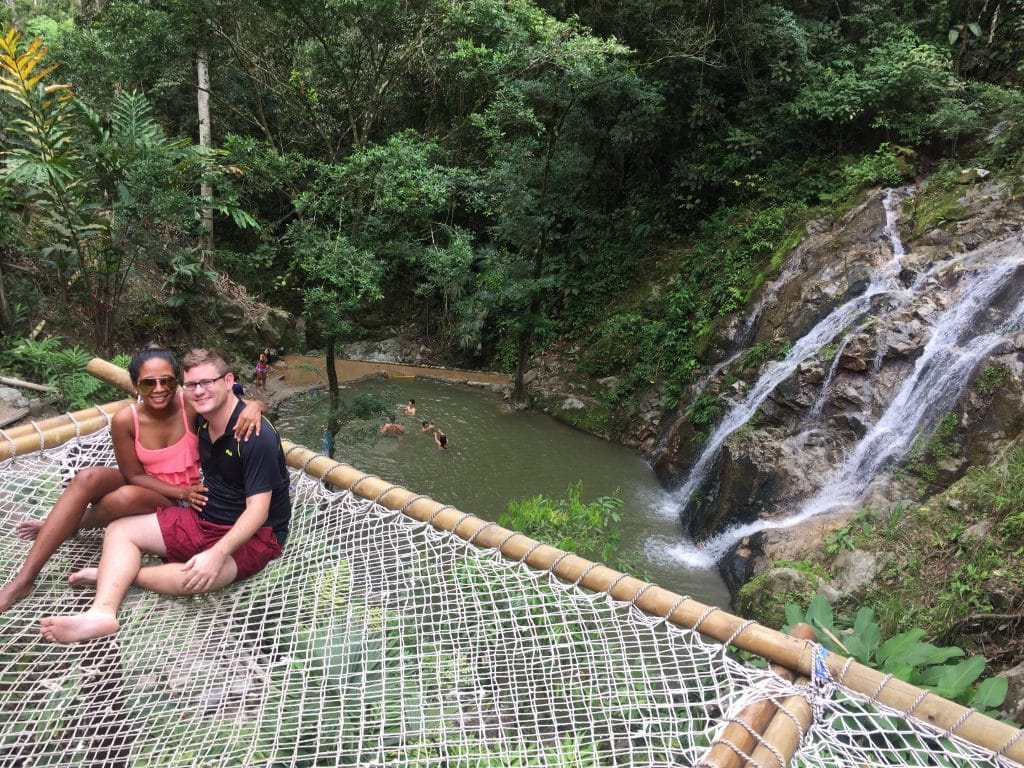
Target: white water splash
<point x="819" y="404"/>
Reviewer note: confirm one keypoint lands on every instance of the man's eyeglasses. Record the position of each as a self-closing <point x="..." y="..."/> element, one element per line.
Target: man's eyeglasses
<point x="146" y="386"/>
<point x="192" y="386"/>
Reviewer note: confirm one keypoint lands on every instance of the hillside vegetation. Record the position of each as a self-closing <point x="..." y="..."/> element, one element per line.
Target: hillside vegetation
<point x="488" y="176"/>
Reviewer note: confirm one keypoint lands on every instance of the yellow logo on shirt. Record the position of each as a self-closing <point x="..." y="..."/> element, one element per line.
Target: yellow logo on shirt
<point x="227" y="452"/>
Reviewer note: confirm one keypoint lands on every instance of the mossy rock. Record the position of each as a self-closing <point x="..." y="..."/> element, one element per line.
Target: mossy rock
<point x="938" y="207"/>
<point x="590" y="419"/>
<point x="764" y="598"/>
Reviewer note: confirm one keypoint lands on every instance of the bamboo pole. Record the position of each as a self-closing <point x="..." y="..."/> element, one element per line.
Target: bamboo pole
<point x="7" y="380"/>
<point x="715" y="623"/>
<point x="743" y="734"/>
<point x="59" y="430"/>
<point x="781" y="739"/>
<point x="36" y="427"/>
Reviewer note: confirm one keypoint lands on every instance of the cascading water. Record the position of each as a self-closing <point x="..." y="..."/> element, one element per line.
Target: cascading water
<point x="885" y="280"/>
<point x="819" y="404"/>
<point x="962" y="336"/>
<point x="940" y="374"/>
<point x="745" y="335"/>
<point x="949" y="359"/>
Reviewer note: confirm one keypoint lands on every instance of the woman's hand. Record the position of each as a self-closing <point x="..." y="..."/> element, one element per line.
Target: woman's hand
<point x="250" y="420"/>
<point x="196" y="497"/>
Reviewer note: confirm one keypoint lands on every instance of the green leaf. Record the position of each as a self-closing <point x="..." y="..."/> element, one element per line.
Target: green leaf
<point x="897" y="644"/>
<point x="958" y="679"/>
<point x="794" y="615"/>
<point x="866" y="636"/>
<point x="900" y="670"/>
<point x="927" y="655"/>
<point x="990" y="694"/>
<point x="819" y="613"/>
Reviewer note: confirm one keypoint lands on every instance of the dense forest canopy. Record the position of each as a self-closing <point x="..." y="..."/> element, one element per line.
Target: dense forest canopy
<point x="495" y="175"/>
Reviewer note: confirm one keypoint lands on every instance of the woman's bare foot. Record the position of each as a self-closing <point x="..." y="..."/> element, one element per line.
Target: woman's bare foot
<point x="13" y="592"/>
<point x="83" y="578"/>
<point x="28" y="529"/>
<point x="82" y="626"/>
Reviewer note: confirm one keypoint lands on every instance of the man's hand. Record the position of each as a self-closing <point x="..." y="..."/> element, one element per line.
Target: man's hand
<point x="201" y="570"/>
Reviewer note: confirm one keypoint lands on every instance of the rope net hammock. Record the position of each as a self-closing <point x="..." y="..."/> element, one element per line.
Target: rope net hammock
<point x="377" y="639"/>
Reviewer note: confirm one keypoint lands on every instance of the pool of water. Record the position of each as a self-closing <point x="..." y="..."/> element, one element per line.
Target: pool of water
<point x="495" y="455"/>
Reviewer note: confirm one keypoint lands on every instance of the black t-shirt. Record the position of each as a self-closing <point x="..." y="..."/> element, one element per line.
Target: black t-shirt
<point x="234" y="469"/>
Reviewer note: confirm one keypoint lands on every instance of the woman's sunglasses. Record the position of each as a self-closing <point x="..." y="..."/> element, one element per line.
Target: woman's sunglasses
<point x="146" y="386"/>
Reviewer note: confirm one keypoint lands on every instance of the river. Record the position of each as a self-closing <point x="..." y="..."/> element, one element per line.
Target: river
<point x="496" y="455"/>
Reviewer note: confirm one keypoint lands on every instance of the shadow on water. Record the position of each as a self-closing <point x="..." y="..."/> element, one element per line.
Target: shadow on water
<point x="496" y="455"/>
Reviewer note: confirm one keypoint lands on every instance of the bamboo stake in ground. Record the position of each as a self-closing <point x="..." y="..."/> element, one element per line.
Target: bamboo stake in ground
<point x="739" y="738"/>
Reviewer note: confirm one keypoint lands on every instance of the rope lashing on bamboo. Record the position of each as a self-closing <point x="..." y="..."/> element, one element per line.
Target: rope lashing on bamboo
<point x="458" y="649"/>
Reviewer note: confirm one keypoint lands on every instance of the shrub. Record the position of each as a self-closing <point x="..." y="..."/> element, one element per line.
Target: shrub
<point x="590" y="529"/>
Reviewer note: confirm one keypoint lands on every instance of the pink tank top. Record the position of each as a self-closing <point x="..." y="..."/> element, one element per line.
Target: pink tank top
<point x="177" y="464"/>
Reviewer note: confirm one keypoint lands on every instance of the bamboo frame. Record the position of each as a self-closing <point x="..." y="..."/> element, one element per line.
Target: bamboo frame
<point x="777" y="648"/>
<point x="744" y="733"/>
<point x="35" y="436"/>
<point x="784" y="732"/>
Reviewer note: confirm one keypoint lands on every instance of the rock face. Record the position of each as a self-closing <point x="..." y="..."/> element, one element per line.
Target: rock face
<point x="398" y="351"/>
<point x="885" y="359"/>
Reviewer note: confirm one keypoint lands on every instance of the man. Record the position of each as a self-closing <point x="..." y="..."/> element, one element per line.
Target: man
<point x="240" y="526"/>
<point x="391" y="428"/>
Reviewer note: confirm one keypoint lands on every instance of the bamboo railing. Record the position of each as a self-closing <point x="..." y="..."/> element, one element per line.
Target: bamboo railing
<point x="787" y="652"/>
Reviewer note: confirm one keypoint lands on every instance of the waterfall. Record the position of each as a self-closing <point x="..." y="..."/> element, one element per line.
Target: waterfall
<point x="819" y="404"/>
<point x="890" y="201"/>
<point x="769" y="294"/>
<point x="885" y="280"/>
<point x="939" y="376"/>
<point x="963" y="334"/>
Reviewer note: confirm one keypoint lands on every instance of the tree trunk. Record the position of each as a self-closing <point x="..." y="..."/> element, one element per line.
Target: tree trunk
<point x="332" y="391"/>
<point x="536" y="296"/>
<point x="6" y="313"/>
<point x="205" y="140"/>
<point x="527" y="333"/>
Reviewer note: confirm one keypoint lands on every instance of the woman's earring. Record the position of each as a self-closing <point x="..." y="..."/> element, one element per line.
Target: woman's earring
<point x="139" y="399"/>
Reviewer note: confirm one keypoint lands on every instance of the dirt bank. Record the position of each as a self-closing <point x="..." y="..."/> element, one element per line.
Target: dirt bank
<point x="297" y="373"/>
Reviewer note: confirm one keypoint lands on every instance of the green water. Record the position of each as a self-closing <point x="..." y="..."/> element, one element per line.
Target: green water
<point x="495" y="455"/>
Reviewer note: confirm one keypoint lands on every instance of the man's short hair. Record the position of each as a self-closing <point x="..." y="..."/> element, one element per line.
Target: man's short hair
<point x="205" y="357"/>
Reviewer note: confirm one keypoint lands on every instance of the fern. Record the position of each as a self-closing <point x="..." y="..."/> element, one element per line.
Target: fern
<point x="132" y="123"/>
<point x="62" y="368"/>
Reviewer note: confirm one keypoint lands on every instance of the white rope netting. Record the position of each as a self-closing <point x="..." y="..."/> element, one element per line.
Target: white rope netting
<point x="378" y="640"/>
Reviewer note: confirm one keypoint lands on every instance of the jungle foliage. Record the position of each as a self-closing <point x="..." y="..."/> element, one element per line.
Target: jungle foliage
<point x="496" y="174"/>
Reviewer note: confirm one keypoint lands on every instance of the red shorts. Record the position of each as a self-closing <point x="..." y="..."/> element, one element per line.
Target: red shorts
<point x="185" y="534"/>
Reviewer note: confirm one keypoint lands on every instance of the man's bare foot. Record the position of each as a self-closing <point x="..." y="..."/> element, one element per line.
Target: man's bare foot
<point x="12" y="593"/>
<point x="82" y="626"/>
<point x="28" y="529"/>
<point x="83" y="578"/>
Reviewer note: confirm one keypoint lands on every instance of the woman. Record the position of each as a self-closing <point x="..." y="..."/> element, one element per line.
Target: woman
<point x="157" y="452"/>
<point x="262" y="366"/>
